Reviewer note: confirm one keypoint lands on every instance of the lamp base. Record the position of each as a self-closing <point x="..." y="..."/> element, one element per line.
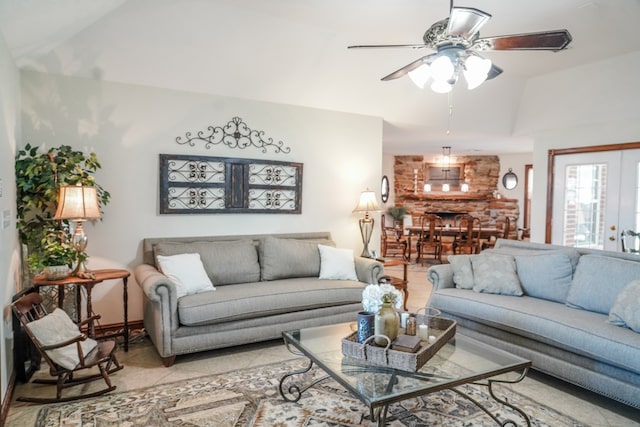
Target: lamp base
<point x="366" y="228"/>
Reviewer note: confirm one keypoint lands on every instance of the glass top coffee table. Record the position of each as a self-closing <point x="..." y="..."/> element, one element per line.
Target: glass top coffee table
<point x="461" y="361"/>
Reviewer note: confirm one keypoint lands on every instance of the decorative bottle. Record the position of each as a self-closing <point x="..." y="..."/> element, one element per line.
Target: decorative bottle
<point x="387" y="323"/>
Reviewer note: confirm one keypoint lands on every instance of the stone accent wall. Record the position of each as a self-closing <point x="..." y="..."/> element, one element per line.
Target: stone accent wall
<point x="481" y="173"/>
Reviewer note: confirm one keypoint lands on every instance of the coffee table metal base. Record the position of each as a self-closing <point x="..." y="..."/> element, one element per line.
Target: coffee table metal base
<point x="378" y="413"/>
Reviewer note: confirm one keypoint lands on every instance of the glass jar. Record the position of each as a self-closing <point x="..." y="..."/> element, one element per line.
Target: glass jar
<point x="387" y="323"/>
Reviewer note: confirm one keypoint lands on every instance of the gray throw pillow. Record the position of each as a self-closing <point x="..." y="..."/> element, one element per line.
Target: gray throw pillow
<point x="462" y="271"/>
<point x="495" y="274"/>
<point x="626" y="308"/>
<point x="284" y="258"/>
<point x="598" y="280"/>
<point x="545" y="275"/>
<point x="226" y="262"/>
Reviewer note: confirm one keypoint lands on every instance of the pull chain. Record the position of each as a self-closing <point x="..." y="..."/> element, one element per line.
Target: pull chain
<point x="450" y="98"/>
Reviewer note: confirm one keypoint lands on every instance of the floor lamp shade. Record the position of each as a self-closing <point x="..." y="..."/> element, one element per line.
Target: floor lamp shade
<point x="366" y="204"/>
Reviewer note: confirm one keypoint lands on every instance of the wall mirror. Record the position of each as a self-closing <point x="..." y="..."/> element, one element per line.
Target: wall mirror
<point x="384" y="189"/>
<point x="510" y="180"/>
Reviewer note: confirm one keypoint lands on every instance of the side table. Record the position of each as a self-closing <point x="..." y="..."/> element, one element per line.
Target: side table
<point x="399" y="284"/>
<point x="88" y="284"/>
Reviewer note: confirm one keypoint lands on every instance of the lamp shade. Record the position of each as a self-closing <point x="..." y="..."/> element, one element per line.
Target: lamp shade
<point x="77" y="202"/>
<point x="367" y="202"/>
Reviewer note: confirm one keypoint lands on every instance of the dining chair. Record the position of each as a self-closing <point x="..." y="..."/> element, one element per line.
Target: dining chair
<point x="392" y="240"/>
<point x="467" y="239"/>
<point x="430" y="239"/>
<point x="506" y="234"/>
<point x="630" y="241"/>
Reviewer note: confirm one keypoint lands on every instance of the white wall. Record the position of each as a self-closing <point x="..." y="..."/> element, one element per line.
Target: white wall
<point x="9" y="248"/>
<point x="128" y="126"/>
<point x="515" y="162"/>
<point x="560" y="110"/>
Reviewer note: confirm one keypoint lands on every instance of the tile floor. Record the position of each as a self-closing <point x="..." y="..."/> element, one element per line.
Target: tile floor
<point x="143" y="368"/>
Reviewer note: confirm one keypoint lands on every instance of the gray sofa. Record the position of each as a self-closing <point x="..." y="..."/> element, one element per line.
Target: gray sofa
<point x="560" y="317"/>
<point x="264" y="285"/>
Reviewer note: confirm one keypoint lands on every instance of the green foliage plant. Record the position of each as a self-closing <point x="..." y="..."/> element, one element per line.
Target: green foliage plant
<point x="397" y="212"/>
<point x="39" y="175"/>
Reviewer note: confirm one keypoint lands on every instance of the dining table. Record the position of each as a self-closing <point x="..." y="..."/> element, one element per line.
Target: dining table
<point x="412" y="231"/>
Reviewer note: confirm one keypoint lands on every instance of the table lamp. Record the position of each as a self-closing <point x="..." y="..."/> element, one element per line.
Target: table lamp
<point x="366" y="204"/>
<point x="78" y="203"/>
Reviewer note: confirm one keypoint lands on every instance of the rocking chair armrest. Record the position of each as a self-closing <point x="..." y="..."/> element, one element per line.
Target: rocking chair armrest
<point x="80" y="337"/>
<point x="90" y="319"/>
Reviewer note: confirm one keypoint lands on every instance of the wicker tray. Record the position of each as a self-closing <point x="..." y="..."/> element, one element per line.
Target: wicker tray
<point x="443" y="329"/>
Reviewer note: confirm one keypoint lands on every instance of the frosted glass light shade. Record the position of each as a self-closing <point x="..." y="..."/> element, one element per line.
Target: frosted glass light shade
<point x="442" y="69"/>
<point x="445" y="187"/>
<point x="441" y="86"/>
<point x="476" y="70"/>
<point x="420" y="75"/>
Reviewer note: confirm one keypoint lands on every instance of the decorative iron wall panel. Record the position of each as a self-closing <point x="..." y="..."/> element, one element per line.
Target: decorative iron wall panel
<point x="202" y="184"/>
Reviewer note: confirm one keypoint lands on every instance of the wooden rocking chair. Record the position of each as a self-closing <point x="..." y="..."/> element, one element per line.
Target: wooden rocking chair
<point x="73" y="353"/>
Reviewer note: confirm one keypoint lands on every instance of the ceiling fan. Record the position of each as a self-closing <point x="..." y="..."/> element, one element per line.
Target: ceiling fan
<point x="456" y="40"/>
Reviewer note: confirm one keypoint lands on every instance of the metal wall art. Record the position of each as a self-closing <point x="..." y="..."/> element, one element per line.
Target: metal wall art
<point x="201" y="184"/>
<point x="235" y="134"/>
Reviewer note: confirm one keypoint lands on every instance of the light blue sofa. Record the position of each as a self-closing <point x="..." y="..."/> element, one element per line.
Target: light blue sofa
<point x="560" y="320"/>
<point x="265" y="284"/>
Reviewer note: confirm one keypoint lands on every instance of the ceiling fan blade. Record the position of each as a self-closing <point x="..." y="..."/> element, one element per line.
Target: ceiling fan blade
<point x="404" y="70"/>
<point x="376" y="46"/>
<point x="466" y="21"/>
<point x="544" y="40"/>
<point x="494" y="72"/>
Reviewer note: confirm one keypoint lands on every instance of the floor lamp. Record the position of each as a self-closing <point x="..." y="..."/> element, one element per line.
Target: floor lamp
<point x="78" y="203"/>
<point x="366" y="204"/>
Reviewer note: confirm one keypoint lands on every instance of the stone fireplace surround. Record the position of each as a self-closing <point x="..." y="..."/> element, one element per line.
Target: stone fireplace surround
<point x="481" y="173"/>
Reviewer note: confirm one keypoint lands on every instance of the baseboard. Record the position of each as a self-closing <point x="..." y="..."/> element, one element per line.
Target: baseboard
<point x="8" y="396"/>
<point x="115" y="327"/>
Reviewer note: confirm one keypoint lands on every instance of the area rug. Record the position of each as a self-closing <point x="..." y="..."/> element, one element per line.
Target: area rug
<point x="250" y="397"/>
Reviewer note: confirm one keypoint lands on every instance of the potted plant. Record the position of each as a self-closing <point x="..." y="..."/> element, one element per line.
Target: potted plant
<point x="54" y="256"/>
<point x="398" y="213"/>
<point x="39" y="175"/>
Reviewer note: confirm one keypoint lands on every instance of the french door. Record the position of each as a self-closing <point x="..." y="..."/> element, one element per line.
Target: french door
<point x="595" y="195"/>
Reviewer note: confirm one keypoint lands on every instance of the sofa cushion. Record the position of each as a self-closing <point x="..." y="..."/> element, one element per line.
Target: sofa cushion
<point x="503" y="247"/>
<point x="545" y="275"/>
<point x="598" y="280"/>
<point x="626" y="308"/>
<point x="285" y="258"/>
<point x="495" y="274"/>
<point x="255" y="300"/>
<point x="462" y="271"/>
<point x="226" y="262"/>
<point x="187" y="272"/>
<point x="579" y="331"/>
<point x="337" y="263"/>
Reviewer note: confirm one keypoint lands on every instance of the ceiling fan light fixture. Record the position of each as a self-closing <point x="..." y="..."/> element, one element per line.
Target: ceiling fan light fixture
<point x="440" y="86"/>
<point x="442" y="68"/>
<point x="420" y="75"/>
<point x="476" y="70"/>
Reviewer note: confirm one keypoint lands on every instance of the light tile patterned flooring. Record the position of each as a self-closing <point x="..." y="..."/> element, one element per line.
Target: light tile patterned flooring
<point x="143" y="368"/>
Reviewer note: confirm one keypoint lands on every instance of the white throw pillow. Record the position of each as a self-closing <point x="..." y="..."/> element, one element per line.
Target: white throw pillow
<point x="187" y="272"/>
<point x="55" y="328"/>
<point x="336" y="263"/>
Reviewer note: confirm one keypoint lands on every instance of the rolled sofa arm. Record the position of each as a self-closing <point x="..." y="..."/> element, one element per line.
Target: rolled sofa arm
<point x="160" y="306"/>
<point x="368" y="270"/>
<point x="441" y="276"/>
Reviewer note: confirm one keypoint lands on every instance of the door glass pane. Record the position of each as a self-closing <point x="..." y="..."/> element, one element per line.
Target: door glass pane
<point x="584" y="204"/>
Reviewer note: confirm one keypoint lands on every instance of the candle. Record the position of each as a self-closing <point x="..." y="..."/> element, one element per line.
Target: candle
<point x="423" y="332"/>
<point x="403" y="319"/>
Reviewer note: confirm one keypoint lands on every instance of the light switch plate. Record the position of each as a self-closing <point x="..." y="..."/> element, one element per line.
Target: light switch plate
<point x="6" y="218"/>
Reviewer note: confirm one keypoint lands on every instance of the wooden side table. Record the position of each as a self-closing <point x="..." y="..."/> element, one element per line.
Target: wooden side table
<point x="100" y="276"/>
<point x="399" y="284"/>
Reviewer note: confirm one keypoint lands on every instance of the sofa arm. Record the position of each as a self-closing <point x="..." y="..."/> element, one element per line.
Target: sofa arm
<point x="368" y="270"/>
<point x="161" y="292"/>
<point x="441" y="276"/>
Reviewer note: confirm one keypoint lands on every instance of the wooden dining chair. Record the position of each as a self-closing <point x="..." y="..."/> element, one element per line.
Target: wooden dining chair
<point x="467" y="239"/>
<point x="392" y="241"/>
<point x="506" y="234"/>
<point x="430" y="240"/>
<point x="65" y="348"/>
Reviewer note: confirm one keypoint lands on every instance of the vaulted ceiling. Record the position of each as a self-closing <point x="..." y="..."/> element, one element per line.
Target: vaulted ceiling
<point x="295" y="52"/>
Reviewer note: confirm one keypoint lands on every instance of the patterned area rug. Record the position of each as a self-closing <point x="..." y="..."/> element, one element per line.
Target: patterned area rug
<point x="250" y="397"/>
